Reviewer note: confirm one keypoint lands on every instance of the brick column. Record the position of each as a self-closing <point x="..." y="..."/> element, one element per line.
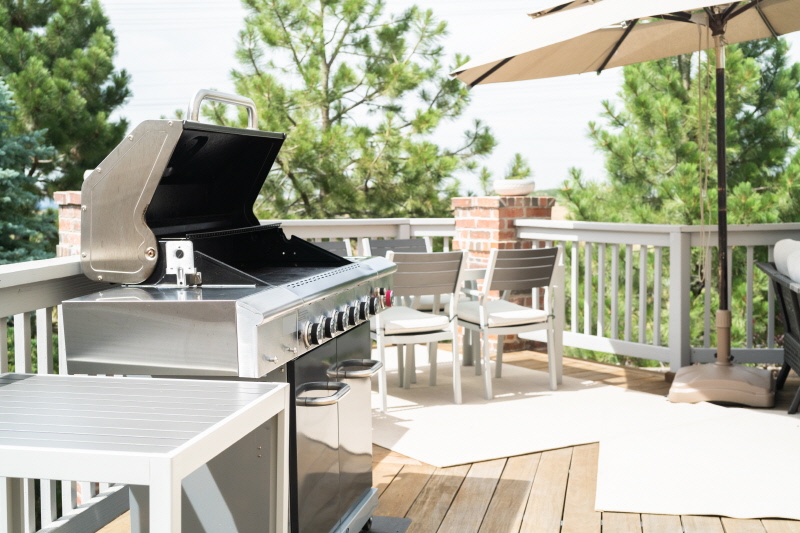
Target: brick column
<point x="487" y="222"/>
<point x="69" y="223"/>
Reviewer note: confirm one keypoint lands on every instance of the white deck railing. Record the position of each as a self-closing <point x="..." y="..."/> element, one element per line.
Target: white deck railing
<point x="604" y="302"/>
<point x="606" y="259"/>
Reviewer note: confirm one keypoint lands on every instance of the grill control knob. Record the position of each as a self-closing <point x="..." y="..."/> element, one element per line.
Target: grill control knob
<point x="353" y="315"/>
<point x="363" y="311"/>
<point x="340" y="317"/>
<point x="313" y="334"/>
<point x="374" y="305"/>
<point x="329" y="329"/>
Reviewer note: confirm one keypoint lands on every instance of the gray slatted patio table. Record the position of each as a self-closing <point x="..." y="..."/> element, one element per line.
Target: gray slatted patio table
<point x="138" y="431"/>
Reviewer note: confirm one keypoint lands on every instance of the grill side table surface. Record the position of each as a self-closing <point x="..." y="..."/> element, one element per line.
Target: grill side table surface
<point x="137" y="431"/>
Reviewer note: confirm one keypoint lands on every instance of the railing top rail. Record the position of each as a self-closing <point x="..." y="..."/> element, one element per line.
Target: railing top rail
<point x="36" y="271"/>
<point x="650" y="228"/>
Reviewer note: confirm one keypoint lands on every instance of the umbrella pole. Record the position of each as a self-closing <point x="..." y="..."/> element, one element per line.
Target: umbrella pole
<point x="724" y="313"/>
<point x="723" y="381"/>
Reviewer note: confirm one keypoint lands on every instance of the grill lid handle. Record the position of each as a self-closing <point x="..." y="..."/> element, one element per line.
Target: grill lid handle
<point x="225" y="98"/>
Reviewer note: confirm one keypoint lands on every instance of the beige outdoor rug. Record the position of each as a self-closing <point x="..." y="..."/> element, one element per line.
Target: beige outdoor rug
<point x="524" y="417"/>
<point x="656" y="457"/>
<point x="740" y="463"/>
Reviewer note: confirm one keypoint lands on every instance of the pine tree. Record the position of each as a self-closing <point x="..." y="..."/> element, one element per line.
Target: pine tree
<point x="359" y="94"/>
<point x="26" y="232"/>
<point x="56" y="56"/>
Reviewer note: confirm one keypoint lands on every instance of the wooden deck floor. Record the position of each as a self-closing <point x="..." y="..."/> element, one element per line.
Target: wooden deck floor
<point x="547" y="492"/>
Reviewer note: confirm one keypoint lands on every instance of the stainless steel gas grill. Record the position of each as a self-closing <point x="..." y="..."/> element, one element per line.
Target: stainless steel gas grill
<point x="204" y="290"/>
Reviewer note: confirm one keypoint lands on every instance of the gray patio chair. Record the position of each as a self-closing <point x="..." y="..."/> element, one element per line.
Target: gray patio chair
<point x="341" y="248"/>
<point x="516" y="270"/>
<point x="380" y="247"/>
<point x="404" y="326"/>
<point x="786" y="292"/>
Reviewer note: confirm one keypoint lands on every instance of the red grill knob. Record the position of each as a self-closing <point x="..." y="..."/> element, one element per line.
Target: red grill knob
<point x="388" y="297"/>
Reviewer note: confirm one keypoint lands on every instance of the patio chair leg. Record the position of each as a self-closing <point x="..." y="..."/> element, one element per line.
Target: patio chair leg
<point x="552" y="366"/>
<point x="382" y="374"/>
<point x="433" y="352"/>
<point x="782" y="375"/>
<point x="498" y="362"/>
<point x="487" y="370"/>
<point x="468" y="348"/>
<point x="401" y="373"/>
<point x="456" y="368"/>
<point x="795" y="403"/>
<point x="412" y="362"/>
<point x="408" y="379"/>
<point x="476" y="341"/>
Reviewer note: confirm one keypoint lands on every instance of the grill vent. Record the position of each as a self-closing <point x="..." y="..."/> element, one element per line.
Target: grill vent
<point x="323" y="276"/>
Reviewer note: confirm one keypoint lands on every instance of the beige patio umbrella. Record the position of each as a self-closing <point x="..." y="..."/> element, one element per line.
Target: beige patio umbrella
<point x="594" y="35"/>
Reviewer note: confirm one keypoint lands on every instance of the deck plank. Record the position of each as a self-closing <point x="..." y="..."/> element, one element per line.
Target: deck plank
<point x="470" y="504"/>
<point x="579" y="513"/>
<point x="660" y="523"/>
<point x="546" y="501"/>
<point x="781" y="526"/>
<point x="430" y="507"/>
<point x="401" y="493"/>
<point x="621" y="523"/>
<point x="702" y="524"/>
<point x="383" y="474"/>
<point x="733" y="525"/>
<point x="511" y="496"/>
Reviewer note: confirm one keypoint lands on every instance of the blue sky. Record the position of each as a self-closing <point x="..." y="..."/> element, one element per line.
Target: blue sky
<point x="172" y="48"/>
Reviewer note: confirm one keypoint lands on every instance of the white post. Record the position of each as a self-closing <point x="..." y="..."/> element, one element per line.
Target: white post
<point x="680" y="254"/>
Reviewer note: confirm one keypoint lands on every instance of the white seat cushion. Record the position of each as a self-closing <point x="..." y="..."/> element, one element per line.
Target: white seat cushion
<point x="501" y="313"/>
<point x="401" y="320"/>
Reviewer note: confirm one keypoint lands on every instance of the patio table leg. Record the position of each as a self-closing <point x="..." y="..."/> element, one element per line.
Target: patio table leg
<point x="165" y="498"/>
<point x="12" y="512"/>
<point x="401" y="366"/>
<point x="487" y="370"/>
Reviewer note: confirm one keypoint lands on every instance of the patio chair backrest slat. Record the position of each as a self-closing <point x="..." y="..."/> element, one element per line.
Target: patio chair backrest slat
<point x="337" y="247"/>
<point x="379" y="247"/>
<point x="426" y="273"/>
<point x="521" y="270"/>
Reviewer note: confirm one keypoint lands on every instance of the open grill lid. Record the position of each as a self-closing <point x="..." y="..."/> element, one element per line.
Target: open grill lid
<point x="167" y="179"/>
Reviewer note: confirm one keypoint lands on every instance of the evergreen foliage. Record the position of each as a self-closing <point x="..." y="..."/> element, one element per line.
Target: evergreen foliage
<point x="56" y="56"/>
<point x="359" y="93"/>
<point x="26" y="233"/>
<point x="662" y="142"/>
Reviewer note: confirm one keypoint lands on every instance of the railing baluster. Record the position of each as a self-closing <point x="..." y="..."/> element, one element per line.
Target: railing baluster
<point x="601" y="288"/>
<point x="749" y="303"/>
<point x="657" y="266"/>
<point x="615" y="291"/>
<point x="446" y="244"/>
<point x="628" y="290"/>
<point x="535" y="292"/>
<point x="587" y="289"/>
<point x="707" y="300"/>
<point x="730" y="278"/>
<point x="44" y="340"/>
<point x="642" y="293"/>
<point x="22" y="343"/>
<point x="574" y="288"/>
<point x="770" y="304"/>
<point x="3" y="344"/>
<point x="29" y="503"/>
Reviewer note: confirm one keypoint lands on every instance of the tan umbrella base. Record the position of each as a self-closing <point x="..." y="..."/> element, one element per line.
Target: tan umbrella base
<point x="723" y="383"/>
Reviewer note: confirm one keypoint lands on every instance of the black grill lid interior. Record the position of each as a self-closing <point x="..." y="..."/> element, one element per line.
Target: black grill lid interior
<point x="212" y="180"/>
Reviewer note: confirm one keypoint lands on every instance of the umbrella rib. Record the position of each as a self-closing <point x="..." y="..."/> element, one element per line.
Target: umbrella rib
<point x="767" y="23"/>
<point x="728" y="15"/>
<point x="490" y="71"/>
<point x="631" y="24"/>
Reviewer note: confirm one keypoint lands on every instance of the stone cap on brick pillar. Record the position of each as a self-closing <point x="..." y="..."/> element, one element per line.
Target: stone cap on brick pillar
<point x="69" y="222"/>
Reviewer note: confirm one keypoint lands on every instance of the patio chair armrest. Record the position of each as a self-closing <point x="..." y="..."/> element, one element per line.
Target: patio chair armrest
<point x="472" y="292"/>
